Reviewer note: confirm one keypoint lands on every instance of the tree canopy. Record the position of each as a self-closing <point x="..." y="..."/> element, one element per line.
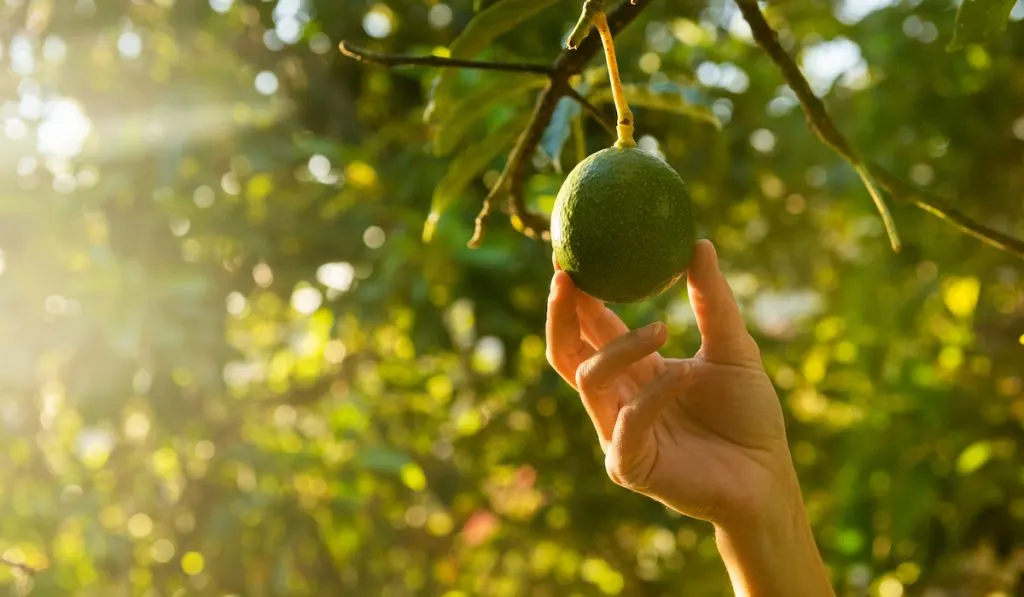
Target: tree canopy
<point x="247" y="348"/>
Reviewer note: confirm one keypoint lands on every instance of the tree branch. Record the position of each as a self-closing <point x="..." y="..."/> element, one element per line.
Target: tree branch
<point x="941" y="209"/>
<point x="370" y="57"/>
<point x="823" y="126"/>
<point x="532" y="225"/>
<point x="570" y="62"/>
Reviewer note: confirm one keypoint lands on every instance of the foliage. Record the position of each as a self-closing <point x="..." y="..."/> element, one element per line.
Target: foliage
<point x="232" y="365"/>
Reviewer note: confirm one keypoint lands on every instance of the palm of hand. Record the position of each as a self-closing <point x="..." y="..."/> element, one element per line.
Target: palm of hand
<point x="715" y="447"/>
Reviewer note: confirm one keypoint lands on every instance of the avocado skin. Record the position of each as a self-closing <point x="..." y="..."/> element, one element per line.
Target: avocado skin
<point x="622" y="226"/>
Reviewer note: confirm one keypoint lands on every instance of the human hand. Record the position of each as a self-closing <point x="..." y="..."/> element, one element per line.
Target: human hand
<point x="702" y="435"/>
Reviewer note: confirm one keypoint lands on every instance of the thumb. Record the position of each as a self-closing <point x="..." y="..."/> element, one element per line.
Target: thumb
<point x="724" y="336"/>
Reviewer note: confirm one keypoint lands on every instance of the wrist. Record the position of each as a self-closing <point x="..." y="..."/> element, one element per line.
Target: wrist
<point x="773" y="553"/>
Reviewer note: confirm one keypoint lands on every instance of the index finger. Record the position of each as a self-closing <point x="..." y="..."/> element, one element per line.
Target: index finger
<point x="566" y="348"/>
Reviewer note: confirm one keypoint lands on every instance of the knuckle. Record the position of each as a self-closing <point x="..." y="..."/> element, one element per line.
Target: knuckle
<point x="585" y="377"/>
<point x="618" y="472"/>
<point x="613" y="467"/>
<point x="628" y="415"/>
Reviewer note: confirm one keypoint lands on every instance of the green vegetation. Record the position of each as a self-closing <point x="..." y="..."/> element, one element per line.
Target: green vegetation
<point x="622" y="226"/>
<point x="231" y="365"/>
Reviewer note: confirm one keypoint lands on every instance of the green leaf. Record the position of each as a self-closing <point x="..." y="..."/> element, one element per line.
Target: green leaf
<point x="382" y="459"/>
<point x="479" y="5"/>
<point x="488" y="25"/>
<point x="667" y="98"/>
<point x="978" y="20"/>
<point x="475" y="107"/>
<point x="558" y="131"/>
<point x="468" y="164"/>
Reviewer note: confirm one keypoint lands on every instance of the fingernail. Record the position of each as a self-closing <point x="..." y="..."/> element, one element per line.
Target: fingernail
<point x="714" y="252"/>
<point x="653" y="330"/>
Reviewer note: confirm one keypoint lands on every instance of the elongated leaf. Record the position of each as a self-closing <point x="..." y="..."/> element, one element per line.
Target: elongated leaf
<point x="559" y="129"/>
<point x="467" y="165"/>
<point x="479" y="5"/>
<point x="978" y="20"/>
<point x="667" y="98"/>
<point x="488" y="25"/>
<point x="472" y="108"/>
<point x="557" y="133"/>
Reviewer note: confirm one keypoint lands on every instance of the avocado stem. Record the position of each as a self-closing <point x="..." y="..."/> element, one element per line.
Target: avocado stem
<point x="625" y="122"/>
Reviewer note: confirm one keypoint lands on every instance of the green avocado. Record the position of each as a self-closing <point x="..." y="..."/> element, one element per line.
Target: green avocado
<point x="622" y="225"/>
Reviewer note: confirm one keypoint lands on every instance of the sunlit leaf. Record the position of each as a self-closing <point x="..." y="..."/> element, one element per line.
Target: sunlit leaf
<point x="665" y="98"/>
<point x="559" y="129"/>
<point x="491" y="23"/>
<point x="475" y="106"/>
<point x="979" y="20"/>
<point x="40" y="12"/>
<point x="465" y="166"/>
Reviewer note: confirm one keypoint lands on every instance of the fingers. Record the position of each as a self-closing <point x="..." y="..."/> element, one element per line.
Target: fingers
<point x="725" y="336"/>
<point x="566" y="349"/>
<point x="598" y="323"/>
<point x="637" y="418"/>
<point x="633" y="452"/>
<point x="596" y="377"/>
<point x="601" y="325"/>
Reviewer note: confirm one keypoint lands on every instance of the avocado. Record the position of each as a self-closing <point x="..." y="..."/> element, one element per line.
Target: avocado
<point x="622" y="225"/>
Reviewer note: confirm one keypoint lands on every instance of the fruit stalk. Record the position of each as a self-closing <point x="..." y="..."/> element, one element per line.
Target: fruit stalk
<point x="624" y="126"/>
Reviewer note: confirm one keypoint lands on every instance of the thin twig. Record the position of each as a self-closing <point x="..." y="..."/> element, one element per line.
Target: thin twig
<point x="823" y="126"/>
<point x="529" y="223"/>
<point x="883" y="209"/>
<point x="941" y="209"/>
<point x="371" y="57"/>
<point x="489" y="201"/>
<point x="814" y="109"/>
<point x="592" y="110"/>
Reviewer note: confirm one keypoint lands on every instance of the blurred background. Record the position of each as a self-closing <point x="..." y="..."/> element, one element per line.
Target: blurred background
<point x="231" y="365"/>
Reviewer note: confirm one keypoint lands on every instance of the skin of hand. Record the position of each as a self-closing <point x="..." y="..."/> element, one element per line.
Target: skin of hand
<point x="703" y="435"/>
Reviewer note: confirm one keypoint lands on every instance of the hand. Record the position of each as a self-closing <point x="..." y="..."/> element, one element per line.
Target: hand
<point x="704" y="436"/>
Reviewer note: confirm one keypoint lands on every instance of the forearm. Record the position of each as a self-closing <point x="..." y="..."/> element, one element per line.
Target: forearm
<point x="776" y="556"/>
